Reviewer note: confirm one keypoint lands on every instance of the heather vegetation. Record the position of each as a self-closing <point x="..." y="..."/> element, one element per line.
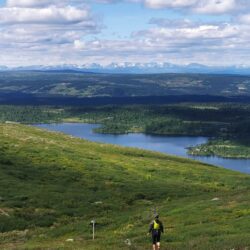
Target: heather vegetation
<point x="53" y="185"/>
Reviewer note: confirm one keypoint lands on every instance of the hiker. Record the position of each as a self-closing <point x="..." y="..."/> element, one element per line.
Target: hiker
<point x="156" y="228"/>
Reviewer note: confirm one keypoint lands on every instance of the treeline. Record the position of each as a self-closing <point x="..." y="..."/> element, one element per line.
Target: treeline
<point x="214" y="120"/>
<point x="20" y="98"/>
<point x="223" y="148"/>
<point x="30" y="114"/>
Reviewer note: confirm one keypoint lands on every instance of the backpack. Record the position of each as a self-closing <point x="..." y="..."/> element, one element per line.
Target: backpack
<point x="156" y="225"/>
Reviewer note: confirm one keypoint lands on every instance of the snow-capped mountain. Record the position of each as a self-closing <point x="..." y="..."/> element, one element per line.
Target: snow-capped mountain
<point x="136" y="68"/>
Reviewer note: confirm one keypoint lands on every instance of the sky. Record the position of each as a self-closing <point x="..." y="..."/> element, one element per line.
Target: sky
<point x="84" y="32"/>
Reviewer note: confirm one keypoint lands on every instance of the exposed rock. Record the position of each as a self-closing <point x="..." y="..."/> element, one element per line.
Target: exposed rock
<point x="215" y="199"/>
<point x="70" y="240"/>
<point x="98" y="202"/>
<point x="2" y="212"/>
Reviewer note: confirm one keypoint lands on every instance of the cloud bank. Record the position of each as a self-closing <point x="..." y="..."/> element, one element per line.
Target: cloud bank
<point x="69" y="32"/>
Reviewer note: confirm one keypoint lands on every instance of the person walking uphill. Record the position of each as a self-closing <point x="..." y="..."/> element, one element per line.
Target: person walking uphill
<point x="156" y="228"/>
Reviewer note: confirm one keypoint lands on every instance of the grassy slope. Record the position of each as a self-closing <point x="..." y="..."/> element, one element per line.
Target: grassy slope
<point x="52" y="185"/>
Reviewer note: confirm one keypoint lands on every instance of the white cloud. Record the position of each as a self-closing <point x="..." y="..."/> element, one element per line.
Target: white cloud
<point x="169" y="3"/>
<point x="79" y="45"/>
<point x="51" y="14"/>
<point x="204" y="43"/>
<point x="215" y="6"/>
<point x="31" y="3"/>
<point x="200" y="6"/>
<point x="197" y="32"/>
<point x="244" y="19"/>
<point x="29" y="28"/>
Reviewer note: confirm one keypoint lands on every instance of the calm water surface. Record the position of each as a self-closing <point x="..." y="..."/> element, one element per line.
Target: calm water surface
<point x="165" y="144"/>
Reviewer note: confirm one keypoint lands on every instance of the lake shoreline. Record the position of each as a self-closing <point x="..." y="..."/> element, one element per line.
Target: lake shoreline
<point x="176" y="146"/>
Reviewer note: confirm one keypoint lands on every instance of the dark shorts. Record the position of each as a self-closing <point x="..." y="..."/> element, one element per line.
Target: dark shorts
<point x="156" y="236"/>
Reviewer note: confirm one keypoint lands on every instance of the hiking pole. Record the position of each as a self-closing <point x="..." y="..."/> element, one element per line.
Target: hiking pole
<point x="93" y="224"/>
<point x="155" y="211"/>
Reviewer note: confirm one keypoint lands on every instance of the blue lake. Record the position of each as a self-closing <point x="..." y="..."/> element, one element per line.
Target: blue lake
<point x="166" y="144"/>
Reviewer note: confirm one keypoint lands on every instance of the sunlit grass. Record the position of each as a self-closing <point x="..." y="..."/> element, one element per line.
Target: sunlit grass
<point x="53" y="185"/>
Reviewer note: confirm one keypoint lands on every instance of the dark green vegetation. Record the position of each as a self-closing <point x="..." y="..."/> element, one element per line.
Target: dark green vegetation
<point x="52" y="185"/>
<point x="223" y="148"/>
<point x="44" y="84"/>
<point x="179" y="119"/>
<point x="31" y="114"/>
<point x="228" y="123"/>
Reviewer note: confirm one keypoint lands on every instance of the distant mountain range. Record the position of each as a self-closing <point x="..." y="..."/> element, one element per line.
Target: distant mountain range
<point x="137" y="68"/>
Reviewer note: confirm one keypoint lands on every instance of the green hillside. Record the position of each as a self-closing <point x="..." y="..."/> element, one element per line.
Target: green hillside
<point x="53" y="185"/>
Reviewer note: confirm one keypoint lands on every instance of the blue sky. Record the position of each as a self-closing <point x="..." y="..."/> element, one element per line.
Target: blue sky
<point x="124" y="18"/>
<point x="82" y="32"/>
